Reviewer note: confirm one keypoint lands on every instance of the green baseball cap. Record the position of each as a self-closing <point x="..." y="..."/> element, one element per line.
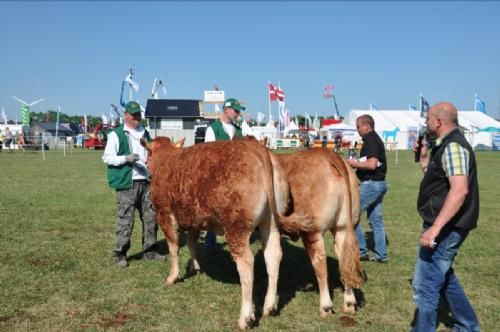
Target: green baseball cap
<point x="133" y="107"/>
<point x="234" y="104"/>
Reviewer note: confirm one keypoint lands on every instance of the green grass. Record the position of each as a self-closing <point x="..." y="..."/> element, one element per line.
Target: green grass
<point x="56" y="273"/>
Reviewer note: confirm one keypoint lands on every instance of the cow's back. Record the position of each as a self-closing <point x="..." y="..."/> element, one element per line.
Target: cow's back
<point x="210" y="181"/>
<point x="318" y="185"/>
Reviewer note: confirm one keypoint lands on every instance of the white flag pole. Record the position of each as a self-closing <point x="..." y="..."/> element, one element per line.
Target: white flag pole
<point x="57" y="125"/>
<point x="279" y="114"/>
<point x="269" y="99"/>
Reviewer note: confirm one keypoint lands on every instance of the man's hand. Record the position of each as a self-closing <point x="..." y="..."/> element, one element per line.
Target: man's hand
<point x="131" y="158"/>
<point x="428" y="237"/>
<point x="352" y="162"/>
<point x="424" y="157"/>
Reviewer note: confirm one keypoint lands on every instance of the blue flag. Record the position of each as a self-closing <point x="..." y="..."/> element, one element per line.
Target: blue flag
<point x="424" y="107"/>
<point x="480" y="105"/>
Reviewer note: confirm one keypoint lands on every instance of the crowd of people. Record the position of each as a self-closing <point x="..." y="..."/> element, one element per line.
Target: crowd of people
<point x="9" y="139"/>
<point x="448" y="201"/>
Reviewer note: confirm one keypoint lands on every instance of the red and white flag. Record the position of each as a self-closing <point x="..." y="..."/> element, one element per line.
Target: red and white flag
<point x="280" y="94"/>
<point x="273" y="96"/>
<point x="327" y="93"/>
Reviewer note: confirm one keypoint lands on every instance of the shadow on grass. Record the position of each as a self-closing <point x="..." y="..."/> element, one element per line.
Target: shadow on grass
<point x="161" y="247"/>
<point x="296" y="274"/>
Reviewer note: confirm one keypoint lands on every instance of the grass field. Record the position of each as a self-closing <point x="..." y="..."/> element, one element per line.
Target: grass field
<point x="57" y="221"/>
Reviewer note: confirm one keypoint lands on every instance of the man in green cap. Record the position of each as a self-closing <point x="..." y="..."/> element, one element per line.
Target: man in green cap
<point x="224" y="129"/>
<point x="127" y="174"/>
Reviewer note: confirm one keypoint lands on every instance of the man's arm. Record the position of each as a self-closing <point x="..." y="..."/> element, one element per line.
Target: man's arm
<point x="370" y="163"/>
<point x="453" y="203"/>
<point x="209" y="135"/>
<point x="110" y="156"/>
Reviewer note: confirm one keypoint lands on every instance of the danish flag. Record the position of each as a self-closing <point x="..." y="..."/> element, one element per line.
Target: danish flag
<point x="273" y="96"/>
<point x="280" y="94"/>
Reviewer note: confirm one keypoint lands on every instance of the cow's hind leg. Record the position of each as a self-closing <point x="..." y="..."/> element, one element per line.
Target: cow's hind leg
<point x="315" y="247"/>
<point x="272" y="256"/>
<point x="171" y="230"/>
<point x="192" y="242"/>
<point x="349" y="298"/>
<point x="242" y="255"/>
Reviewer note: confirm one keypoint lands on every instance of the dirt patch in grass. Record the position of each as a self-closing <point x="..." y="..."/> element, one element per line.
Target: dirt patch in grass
<point x="347" y="321"/>
<point x="117" y="320"/>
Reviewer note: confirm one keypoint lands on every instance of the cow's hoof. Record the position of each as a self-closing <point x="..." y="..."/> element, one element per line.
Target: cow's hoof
<point x="350" y="308"/>
<point x="272" y="311"/>
<point x="194" y="272"/>
<point x="246" y="322"/>
<point x="171" y="280"/>
<point x="325" y="312"/>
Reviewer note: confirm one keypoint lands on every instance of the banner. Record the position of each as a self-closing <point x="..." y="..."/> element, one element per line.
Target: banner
<point x="25" y="111"/>
<point x="495" y="141"/>
<point x="214" y="96"/>
<point x="412" y="136"/>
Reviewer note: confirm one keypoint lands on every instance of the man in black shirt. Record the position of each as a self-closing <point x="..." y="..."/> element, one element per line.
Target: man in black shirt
<point x="371" y="168"/>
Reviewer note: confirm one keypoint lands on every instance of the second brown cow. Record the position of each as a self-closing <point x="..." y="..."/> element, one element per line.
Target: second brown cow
<point x="325" y="189"/>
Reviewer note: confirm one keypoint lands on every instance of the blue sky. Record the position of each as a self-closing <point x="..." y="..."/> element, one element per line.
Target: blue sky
<point x="76" y="55"/>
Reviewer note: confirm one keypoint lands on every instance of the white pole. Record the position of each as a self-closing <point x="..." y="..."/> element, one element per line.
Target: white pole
<point x="279" y="114"/>
<point x="57" y="124"/>
<point x="269" y="99"/>
<point x="64" y="147"/>
<point x="43" y="148"/>
<point x="420" y="113"/>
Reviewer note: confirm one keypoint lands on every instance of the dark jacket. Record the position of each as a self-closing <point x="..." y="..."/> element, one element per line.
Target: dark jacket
<point x="435" y="187"/>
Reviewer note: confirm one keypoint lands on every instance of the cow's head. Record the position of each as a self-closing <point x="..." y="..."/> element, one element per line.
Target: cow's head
<point x="160" y="142"/>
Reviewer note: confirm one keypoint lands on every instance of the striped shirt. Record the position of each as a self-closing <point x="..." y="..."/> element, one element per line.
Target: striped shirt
<point x="455" y="159"/>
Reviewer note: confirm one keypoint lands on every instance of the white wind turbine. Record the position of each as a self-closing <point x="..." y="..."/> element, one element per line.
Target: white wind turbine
<point x="25" y="109"/>
<point x="25" y="103"/>
<point x="154" y="91"/>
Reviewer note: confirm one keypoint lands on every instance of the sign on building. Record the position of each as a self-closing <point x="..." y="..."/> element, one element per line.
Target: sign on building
<point x="170" y="124"/>
<point x="215" y="97"/>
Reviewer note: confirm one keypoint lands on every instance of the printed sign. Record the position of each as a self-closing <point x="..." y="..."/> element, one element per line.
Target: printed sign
<point x="170" y="124"/>
<point x="412" y="136"/>
<point x="495" y="141"/>
<point x="215" y="97"/>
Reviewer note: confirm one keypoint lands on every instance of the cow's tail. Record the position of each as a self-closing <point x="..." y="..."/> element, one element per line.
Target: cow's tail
<point x="351" y="271"/>
<point x="291" y="224"/>
<point x="278" y="190"/>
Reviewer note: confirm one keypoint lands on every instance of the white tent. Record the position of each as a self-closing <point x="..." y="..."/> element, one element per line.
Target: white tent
<point x="396" y="126"/>
<point x="339" y="126"/>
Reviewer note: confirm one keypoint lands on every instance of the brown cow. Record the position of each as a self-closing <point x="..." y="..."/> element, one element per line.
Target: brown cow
<point x="324" y="188"/>
<point x="227" y="187"/>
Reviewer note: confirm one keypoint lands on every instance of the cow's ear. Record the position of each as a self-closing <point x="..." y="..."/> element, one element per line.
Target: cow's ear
<point x="180" y="143"/>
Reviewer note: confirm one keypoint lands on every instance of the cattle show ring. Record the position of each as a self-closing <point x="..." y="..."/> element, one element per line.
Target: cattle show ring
<point x="282" y="197"/>
<point x="273" y="269"/>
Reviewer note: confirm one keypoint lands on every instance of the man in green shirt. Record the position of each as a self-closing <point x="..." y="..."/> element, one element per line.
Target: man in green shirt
<point x="127" y="173"/>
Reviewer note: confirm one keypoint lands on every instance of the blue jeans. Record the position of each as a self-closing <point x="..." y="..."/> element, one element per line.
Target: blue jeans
<point x="371" y="196"/>
<point x="434" y="277"/>
<point x="210" y="239"/>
